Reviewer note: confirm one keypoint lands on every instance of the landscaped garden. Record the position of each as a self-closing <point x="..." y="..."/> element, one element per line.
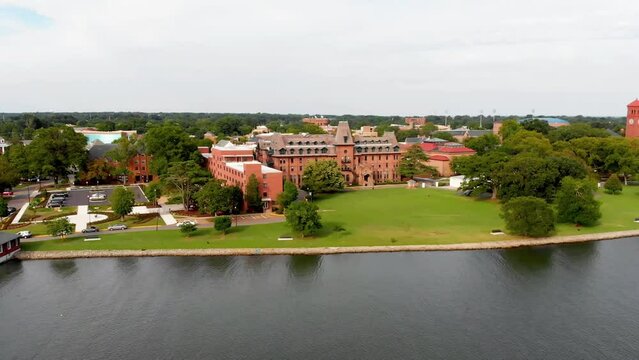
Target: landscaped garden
<point x="367" y="218"/>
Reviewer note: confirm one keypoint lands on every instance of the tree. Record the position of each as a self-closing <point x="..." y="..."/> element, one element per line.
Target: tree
<point x="98" y="169"/>
<point x="323" y="176"/>
<point x="215" y="197"/>
<point x="528" y="216"/>
<point x="528" y="175"/>
<point x="253" y="197"/>
<point x="169" y="143"/>
<point x="186" y="177"/>
<point x="528" y="141"/>
<point x="8" y="175"/>
<point x="4" y="207"/>
<point x="483" y="144"/>
<point x="576" y="202"/>
<point x="122" y="201"/>
<point x="188" y="229"/>
<point x="223" y="224"/>
<point x="576" y="131"/>
<point x="303" y="217"/>
<point x="413" y="163"/>
<point x="153" y="191"/>
<point x="288" y="195"/>
<point x="60" y="227"/>
<point x="509" y="128"/>
<point x="483" y="172"/>
<point x="613" y="185"/>
<point x="56" y="150"/>
<point x="127" y="148"/>
<point x="537" y="125"/>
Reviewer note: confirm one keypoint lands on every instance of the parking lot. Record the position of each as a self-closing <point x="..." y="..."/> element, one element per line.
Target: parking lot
<point x="81" y="196"/>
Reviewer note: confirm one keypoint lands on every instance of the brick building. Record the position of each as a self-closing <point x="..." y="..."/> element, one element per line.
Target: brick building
<point x="235" y="164"/>
<point x="319" y="121"/>
<point x="632" y="120"/>
<point x="364" y="160"/>
<point x="139" y="165"/>
<point x="415" y="122"/>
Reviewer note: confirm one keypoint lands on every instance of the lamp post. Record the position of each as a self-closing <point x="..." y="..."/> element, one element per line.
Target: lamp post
<point x="157" y="217"/>
<point x="88" y="205"/>
<point x="235" y="213"/>
<point x="310" y="193"/>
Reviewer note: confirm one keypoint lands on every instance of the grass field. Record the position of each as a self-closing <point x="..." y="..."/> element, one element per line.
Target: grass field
<point x="373" y="217"/>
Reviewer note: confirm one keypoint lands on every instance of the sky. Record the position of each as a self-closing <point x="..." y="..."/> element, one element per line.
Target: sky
<point x="335" y="57"/>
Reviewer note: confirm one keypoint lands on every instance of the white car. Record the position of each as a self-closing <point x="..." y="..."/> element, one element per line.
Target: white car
<point x="24" y="234"/>
<point x="185" y="222"/>
<point x="97" y="197"/>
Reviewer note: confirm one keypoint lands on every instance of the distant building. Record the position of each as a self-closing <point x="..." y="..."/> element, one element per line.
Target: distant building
<point x="139" y="165"/>
<point x="363" y="160"/>
<point x="632" y="120"/>
<point x="9" y="246"/>
<point x="319" y="121"/>
<point x="104" y="137"/>
<point x="366" y="131"/>
<point x="463" y="133"/>
<point x="4" y="145"/>
<point x="440" y="155"/>
<point x="209" y="135"/>
<point x="553" y="122"/>
<point x="415" y="122"/>
<point x="234" y="164"/>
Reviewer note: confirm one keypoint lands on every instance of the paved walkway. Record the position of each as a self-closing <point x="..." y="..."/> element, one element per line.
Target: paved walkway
<point x="165" y="214"/>
<point x="18" y="216"/>
<point x="82" y="218"/>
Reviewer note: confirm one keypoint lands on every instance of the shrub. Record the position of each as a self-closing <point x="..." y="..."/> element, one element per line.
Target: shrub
<point x="303" y="217"/>
<point x="576" y="202"/>
<point x="188" y="229"/>
<point x="528" y="216"/>
<point x="223" y="224"/>
<point x="613" y="185"/>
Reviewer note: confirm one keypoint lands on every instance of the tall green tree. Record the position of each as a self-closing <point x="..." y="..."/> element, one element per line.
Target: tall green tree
<point x="127" y="148"/>
<point x="323" y="176"/>
<point x="413" y="162"/>
<point x="528" y="216"/>
<point x="57" y="150"/>
<point x="122" y="201"/>
<point x="508" y="128"/>
<point x="169" y="143"/>
<point x="288" y="195"/>
<point x="576" y="202"/>
<point x="9" y="177"/>
<point x="4" y="207"/>
<point x="303" y="217"/>
<point x="186" y="177"/>
<point x="483" y="144"/>
<point x="253" y="196"/>
<point x="483" y="172"/>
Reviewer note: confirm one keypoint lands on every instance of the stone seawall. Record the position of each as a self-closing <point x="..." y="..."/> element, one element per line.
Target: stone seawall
<point x="72" y="254"/>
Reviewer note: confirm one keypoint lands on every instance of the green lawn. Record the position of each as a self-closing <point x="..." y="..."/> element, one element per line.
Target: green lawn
<point x="374" y="217"/>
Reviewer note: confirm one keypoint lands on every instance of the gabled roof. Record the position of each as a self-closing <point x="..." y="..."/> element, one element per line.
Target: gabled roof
<point x="634" y="103"/>
<point x="100" y="151"/>
<point x="6" y="237"/>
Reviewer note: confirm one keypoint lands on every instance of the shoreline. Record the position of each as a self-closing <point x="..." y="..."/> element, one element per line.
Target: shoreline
<point x="489" y="245"/>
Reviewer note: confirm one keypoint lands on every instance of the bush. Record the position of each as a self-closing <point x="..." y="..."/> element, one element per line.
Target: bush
<point x="60" y="227"/>
<point x="613" y="185"/>
<point x="188" y="229"/>
<point x="528" y="216"/>
<point x="223" y="223"/>
<point x="303" y="217"/>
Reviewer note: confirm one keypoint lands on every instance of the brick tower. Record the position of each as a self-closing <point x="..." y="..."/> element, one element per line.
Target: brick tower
<point x="632" y="121"/>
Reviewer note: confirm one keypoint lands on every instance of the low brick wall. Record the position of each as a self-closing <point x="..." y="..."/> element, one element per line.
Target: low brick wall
<point x="72" y="254"/>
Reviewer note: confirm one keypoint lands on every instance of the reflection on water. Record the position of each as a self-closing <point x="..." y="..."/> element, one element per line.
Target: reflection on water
<point x="127" y="263"/>
<point x="528" y="259"/>
<point x="582" y="254"/>
<point x="304" y="266"/>
<point x="9" y="270"/>
<point x="64" y="268"/>
<point x="219" y="266"/>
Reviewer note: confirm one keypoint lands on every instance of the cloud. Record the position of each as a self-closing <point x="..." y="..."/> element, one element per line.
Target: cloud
<point x="333" y="56"/>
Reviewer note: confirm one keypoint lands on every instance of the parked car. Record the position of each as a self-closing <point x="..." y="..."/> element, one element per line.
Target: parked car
<point x="24" y="234"/>
<point x="185" y="222"/>
<point x="60" y="195"/>
<point x="55" y="204"/>
<point x="11" y="210"/>
<point x="97" y="197"/>
<point x="91" y="229"/>
<point x="117" y="227"/>
<point x="7" y="193"/>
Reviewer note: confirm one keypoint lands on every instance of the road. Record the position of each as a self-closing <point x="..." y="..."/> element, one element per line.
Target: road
<point x="242" y="220"/>
<point x="21" y="196"/>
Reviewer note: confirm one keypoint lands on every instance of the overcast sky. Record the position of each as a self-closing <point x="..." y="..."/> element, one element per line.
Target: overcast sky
<point x="320" y="57"/>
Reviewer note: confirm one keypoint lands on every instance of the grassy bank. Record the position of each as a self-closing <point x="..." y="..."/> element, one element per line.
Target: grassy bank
<point x="366" y="218"/>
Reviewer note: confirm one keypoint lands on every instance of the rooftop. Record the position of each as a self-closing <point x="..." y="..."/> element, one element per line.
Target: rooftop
<point x="239" y="166"/>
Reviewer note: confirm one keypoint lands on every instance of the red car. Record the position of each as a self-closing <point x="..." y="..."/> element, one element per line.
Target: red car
<point x="7" y="193"/>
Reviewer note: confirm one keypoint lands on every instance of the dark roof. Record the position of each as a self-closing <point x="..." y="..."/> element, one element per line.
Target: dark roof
<point x="99" y="151"/>
<point x="6" y="237"/>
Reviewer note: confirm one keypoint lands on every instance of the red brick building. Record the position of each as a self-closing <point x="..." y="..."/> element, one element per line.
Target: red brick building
<point x="139" y="165"/>
<point x="632" y="120"/>
<point x="415" y="122"/>
<point x="235" y="164"/>
<point x="363" y="160"/>
<point x="319" y="121"/>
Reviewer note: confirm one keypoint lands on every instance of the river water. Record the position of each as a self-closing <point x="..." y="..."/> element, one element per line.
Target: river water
<point x="564" y="302"/>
